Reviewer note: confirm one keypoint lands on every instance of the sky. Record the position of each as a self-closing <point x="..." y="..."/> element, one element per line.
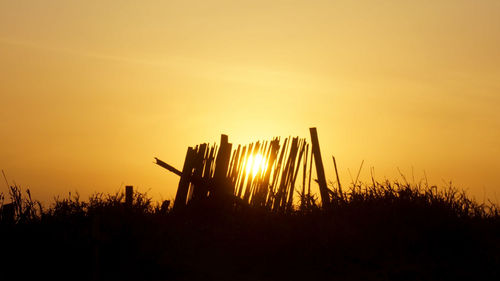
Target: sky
<point x="92" y="91"/>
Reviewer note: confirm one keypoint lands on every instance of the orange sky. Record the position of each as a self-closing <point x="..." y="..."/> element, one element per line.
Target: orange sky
<point x="91" y="91"/>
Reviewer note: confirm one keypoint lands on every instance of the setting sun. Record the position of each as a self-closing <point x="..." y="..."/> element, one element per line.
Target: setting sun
<point x="256" y="163"/>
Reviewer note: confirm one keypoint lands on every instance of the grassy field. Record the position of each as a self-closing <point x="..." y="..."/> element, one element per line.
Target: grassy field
<point x="380" y="231"/>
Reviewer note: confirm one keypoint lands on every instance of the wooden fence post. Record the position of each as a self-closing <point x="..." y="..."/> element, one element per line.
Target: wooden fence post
<point x="221" y="168"/>
<point x="9" y="213"/>
<point x="198" y="165"/>
<point x="320" y="170"/>
<point x="183" y="188"/>
<point x="129" y="195"/>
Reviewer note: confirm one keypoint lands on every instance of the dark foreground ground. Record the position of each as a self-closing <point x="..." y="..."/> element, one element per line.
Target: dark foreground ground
<point x="387" y="236"/>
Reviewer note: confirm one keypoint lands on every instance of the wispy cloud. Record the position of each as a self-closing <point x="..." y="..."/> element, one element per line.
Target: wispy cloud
<point x="203" y="68"/>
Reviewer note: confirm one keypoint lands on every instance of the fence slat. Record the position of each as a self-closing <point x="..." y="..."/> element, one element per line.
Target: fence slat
<point x="320" y="170"/>
<point x="183" y="188"/>
<point x="221" y="168"/>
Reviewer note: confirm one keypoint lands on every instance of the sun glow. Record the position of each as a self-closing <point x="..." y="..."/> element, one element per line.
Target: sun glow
<point x="256" y="164"/>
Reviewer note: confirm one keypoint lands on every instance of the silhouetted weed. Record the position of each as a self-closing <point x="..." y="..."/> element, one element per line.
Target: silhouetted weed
<point x="380" y="231"/>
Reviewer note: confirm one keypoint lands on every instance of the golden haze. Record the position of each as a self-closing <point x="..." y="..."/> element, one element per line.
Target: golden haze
<point x="91" y="91"/>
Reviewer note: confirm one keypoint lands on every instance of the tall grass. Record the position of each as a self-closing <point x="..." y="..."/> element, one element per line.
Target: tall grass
<point x="448" y="199"/>
<point x="377" y="231"/>
<point x="377" y="195"/>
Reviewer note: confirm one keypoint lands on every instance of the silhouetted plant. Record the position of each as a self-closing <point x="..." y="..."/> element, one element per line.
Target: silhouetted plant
<point x="370" y="227"/>
<point x="25" y="208"/>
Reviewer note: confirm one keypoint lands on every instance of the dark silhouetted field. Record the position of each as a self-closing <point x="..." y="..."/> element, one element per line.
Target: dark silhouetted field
<point x="377" y="232"/>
